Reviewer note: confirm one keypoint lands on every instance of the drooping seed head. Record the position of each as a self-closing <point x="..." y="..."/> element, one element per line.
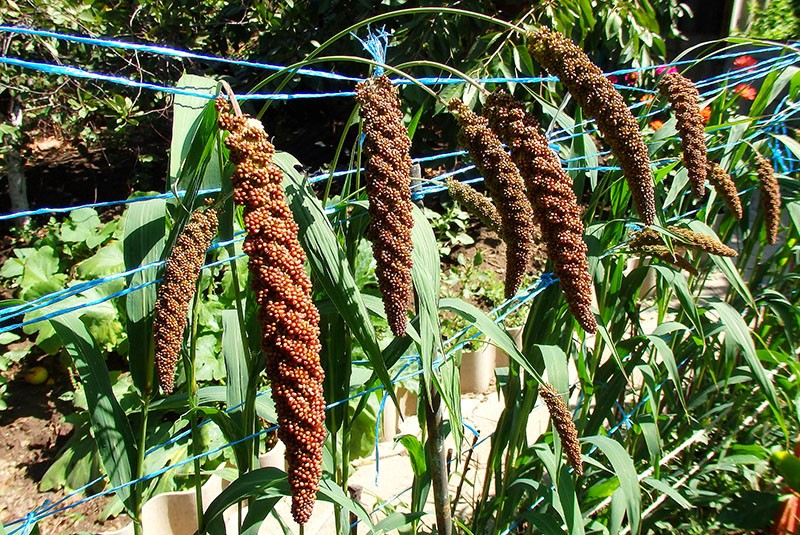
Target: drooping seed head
<point x="561" y="417"/>
<point x="177" y="290"/>
<point x="726" y="188"/>
<point x="601" y="101"/>
<point x="287" y="315"/>
<point x="506" y="188"/>
<point x="770" y="197"/>
<point x="388" y="184"/>
<point x="549" y="190"/>
<point x="476" y="204"/>
<point x="685" y="102"/>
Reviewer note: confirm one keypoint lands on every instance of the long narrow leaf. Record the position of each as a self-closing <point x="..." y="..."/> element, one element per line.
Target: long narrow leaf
<point x="625" y="470"/>
<point x="112" y="431"/>
<point x="329" y="264"/>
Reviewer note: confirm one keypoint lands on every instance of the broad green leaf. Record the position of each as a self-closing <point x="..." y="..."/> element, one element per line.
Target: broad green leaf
<point x="670" y="491"/>
<point x="494" y="333"/>
<point x="726" y="265"/>
<point x="543" y="522"/>
<point x="238" y="376"/>
<point x="263" y="483"/>
<point x="112" y="431"/>
<point x="329" y="264"/>
<point x="142" y="244"/>
<point x="737" y="329"/>
<point x="668" y="358"/>
<point x="421" y="485"/>
<point x="257" y="512"/>
<point x="555" y="365"/>
<point x="772" y="87"/>
<point x="396" y="521"/>
<point x="425" y="274"/>
<point x="106" y="261"/>
<point x="187" y="117"/>
<point x="625" y="470"/>
<point x="331" y="492"/>
<point x="678" y="283"/>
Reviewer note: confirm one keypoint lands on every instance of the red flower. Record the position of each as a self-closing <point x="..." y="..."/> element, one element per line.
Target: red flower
<point x="744" y="61"/>
<point x="613" y="78"/>
<point x="746" y="91"/>
<point x="706" y="113"/>
<point x="631" y="77"/>
<point x="656" y="124"/>
<point x="664" y="69"/>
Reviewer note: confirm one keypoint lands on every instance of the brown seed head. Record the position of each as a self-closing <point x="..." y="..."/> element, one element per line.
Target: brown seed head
<point x="176" y="291"/>
<point x="388" y="175"/>
<point x="646" y="239"/>
<point x="702" y="242"/>
<point x="287" y="315"/>
<point x="725" y="187"/>
<point x="684" y="99"/>
<point x="476" y="204"/>
<point x="563" y="424"/>
<point x="549" y="189"/>
<point x="506" y="188"/>
<point x="597" y="96"/>
<point x="770" y="197"/>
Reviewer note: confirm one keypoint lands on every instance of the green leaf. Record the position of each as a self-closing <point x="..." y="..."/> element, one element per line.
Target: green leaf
<point x="494" y="333"/>
<point x="425" y="273"/>
<point x="669" y="362"/>
<point x="238" y="376"/>
<point x="625" y="470"/>
<point x="257" y="512"/>
<point x="737" y="329"/>
<point x="672" y="492"/>
<point x="396" y="521"/>
<point x="678" y="283"/>
<point x="329" y="264"/>
<point x="106" y="261"/>
<point x="331" y="492"/>
<point x="263" y="483"/>
<point x="187" y="119"/>
<point x="112" y="431"/>
<point x="726" y="266"/>
<point x="143" y="243"/>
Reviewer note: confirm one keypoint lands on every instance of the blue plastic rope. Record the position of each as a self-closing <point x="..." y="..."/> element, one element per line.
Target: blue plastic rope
<point x="166" y="51"/>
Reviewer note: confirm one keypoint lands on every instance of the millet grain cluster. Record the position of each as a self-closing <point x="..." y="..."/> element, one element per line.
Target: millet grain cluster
<point x="684" y="100"/>
<point x="770" y="197"/>
<point x="289" y="320"/>
<point x="506" y="188"/>
<point x="645" y="239"/>
<point x="725" y="187"/>
<point x="563" y="424"/>
<point x="388" y="184"/>
<point x="549" y="189"/>
<point x="476" y="204"/>
<point x="176" y="291"/>
<point x="597" y="96"/>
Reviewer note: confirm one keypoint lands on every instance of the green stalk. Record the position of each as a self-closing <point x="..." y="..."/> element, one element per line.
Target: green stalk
<point x="140" y="487"/>
<point x="434" y="449"/>
<point x="197" y="447"/>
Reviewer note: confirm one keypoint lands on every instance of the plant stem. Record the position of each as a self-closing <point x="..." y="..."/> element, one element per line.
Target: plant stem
<point x="434" y="448"/>
<point x="141" y="485"/>
<point x="197" y="447"/>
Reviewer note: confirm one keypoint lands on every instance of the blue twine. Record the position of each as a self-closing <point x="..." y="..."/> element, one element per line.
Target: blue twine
<point x="376" y="44"/>
<point x="177" y="53"/>
<point x="751" y="75"/>
<point x="166" y="51"/>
